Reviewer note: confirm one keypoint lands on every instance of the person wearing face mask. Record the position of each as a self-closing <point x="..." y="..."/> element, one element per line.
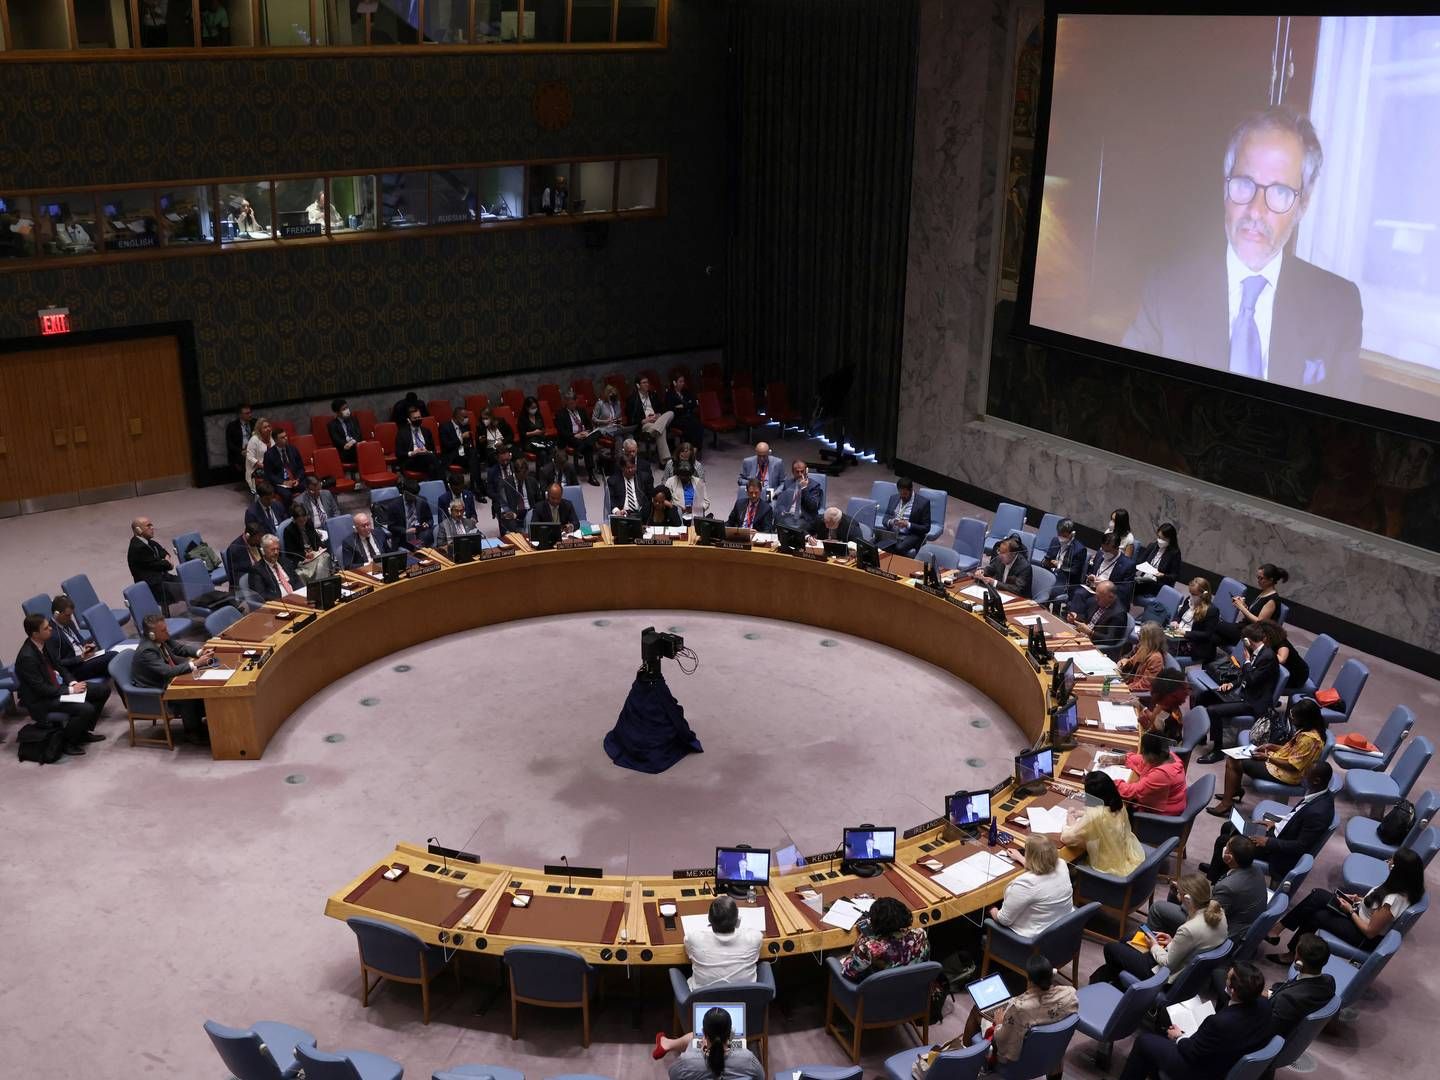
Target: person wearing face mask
<point x="494" y="434"/>
<point x="344" y="431"/>
<point x="532" y="430"/>
<point x="1009" y="569"/>
<point x="1249" y="693"/>
<point x="1195" y="621"/>
<point x="1240" y="1028"/>
<point x="1120" y="526"/>
<point x="1110" y="564"/>
<point x="455" y="444"/>
<point x="1157" y="565"/>
<point x="414" y="449"/>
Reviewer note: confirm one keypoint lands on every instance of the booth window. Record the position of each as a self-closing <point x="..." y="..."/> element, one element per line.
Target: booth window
<point x="185" y="216"/>
<point x="302" y="209"/>
<point x="592" y="187"/>
<point x="17" y="227"/>
<point x="639" y="182"/>
<point x="67" y="225"/>
<point x="127" y="220"/>
<point x="246" y="212"/>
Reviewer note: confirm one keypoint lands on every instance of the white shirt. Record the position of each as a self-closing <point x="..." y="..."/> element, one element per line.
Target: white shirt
<point x="1280" y="825"/>
<point x="723" y="958"/>
<point x="1034" y="901"/>
<point x="1236" y="271"/>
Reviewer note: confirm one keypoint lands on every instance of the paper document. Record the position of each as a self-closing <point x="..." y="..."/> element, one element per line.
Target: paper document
<point x="1116" y="717"/>
<point x="216" y="674"/>
<point x="968" y="874"/>
<point x="864" y="903"/>
<point x="1239" y="753"/>
<point x="750" y="917"/>
<point x="1117" y="773"/>
<point x="1051" y="819"/>
<point x="975" y="592"/>
<point x="74" y="699"/>
<point x="1089" y="661"/>
<point x="1189" y="1015"/>
<point x="1147" y="570"/>
<point x="843" y="914"/>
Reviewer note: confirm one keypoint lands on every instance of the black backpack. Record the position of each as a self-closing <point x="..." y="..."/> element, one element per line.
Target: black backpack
<point x="41" y="743"/>
<point x="1397" y="823"/>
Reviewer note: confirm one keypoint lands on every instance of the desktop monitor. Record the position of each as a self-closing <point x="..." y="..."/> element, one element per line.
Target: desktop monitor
<point x="867" y="555"/>
<point x="741" y="867"/>
<point x="392" y="565"/>
<point x="791" y="539"/>
<point x="467" y="547"/>
<point x="966" y="809"/>
<point x="545" y="534"/>
<point x="325" y="592"/>
<point x="995" y="607"/>
<point x="1064" y="720"/>
<point x="1062" y="683"/>
<point x="626" y="529"/>
<point x="1037" y="646"/>
<point x="867" y="844"/>
<point x="1034" y="767"/>
<point x="708" y="530"/>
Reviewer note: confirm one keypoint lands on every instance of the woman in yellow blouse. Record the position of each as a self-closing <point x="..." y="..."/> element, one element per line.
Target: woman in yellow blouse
<point x="1148" y="659"/>
<point x="1286" y="764"/>
<point x="1105" y="830"/>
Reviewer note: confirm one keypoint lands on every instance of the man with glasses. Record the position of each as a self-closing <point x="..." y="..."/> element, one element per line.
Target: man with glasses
<point x="1258" y="311"/>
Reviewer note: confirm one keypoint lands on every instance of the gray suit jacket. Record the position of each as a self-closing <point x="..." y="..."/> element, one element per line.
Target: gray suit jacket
<point x="149" y="667"/>
<point x="328" y="503"/>
<point x="1242" y="894"/>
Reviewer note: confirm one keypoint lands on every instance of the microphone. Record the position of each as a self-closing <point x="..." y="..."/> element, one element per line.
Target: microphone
<point x="569" y="888"/>
<point x="443" y="859"/>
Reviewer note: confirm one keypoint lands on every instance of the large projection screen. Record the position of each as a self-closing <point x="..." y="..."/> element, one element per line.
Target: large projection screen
<point x="1254" y="196"/>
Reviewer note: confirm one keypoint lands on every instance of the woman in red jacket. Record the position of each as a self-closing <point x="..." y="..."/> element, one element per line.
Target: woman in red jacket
<point x="1159" y="784"/>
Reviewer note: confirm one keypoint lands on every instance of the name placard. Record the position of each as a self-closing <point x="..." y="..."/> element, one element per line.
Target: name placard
<point x="693" y="872"/>
<point x="421" y="571"/>
<point x="496" y="553"/>
<point x="933" y="823"/>
<point x="571" y="542"/>
<point x="881" y="573"/>
<point x="808" y="555"/>
<point x="824" y="856"/>
<point x="655" y="541"/>
<point x="302" y="230"/>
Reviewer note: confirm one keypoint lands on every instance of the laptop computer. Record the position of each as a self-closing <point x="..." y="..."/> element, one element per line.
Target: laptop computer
<point x="736" y="1009"/>
<point x="1247" y="828"/>
<point x="989" y="994"/>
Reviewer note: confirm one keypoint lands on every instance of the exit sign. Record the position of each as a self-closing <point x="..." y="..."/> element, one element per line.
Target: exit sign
<point x="55" y="320"/>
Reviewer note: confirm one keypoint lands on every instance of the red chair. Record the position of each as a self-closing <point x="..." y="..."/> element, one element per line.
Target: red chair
<point x="514" y="400"/>
<point x="441" y="410"/>
<point x="385" y="436"/>
<point x="506" y="413"/>
<point x="656" y="386"/>
<point x="712" y="419"/>
<point x="621" y="384"/>
<point x="777" y="405"/>
<point x="743" y="378"/>
<point x="320" y="431"/>
<point x="370" y="459"/>
<point x="306" y="445"/>
<point x="712" y="370"/>
<point x="366" y="419"/>
<point x="475" y="404"/>
<point x="584" y="393"/>
<point x="549" y="392"/>
<point x="746" y="413"/>
<point x="547" y="416"/>
<point x="327" y="467"/>
<point x="287" y="426"/>
<point x="714" y="384"/>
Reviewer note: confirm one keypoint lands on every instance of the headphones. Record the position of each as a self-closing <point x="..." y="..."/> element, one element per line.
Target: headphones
<point x="150" y="634"/>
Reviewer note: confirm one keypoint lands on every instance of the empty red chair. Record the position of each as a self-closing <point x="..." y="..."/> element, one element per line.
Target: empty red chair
<point x="777" y="404"/>
<point x="712" y="419"/>
<point x="743" y="378"/>
<point x="306" y="445"/>
<point x="441" y="409"/>
<point x="475" y="404"/>
<point x="287" y="426"/>
<point x="327" y="467"/>
<point x="385" y="436"/>
<point x="370" y="460"/>
<point x="320" y="431"/>
<point x="547" y="416"/>
<point x="584" y="393"/>
<point x="366" y="419"/>
<point x="745" y="411"/>
<point x="514" y="400"/>
<point x="712" y="370"/>
<point x="714" y="384"/>
<point x="549" y="392"/>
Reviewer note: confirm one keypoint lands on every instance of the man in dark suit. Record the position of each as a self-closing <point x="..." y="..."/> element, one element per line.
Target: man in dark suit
<point x="907" y="514"/>
<point x="1240" y="891"/>
<point x="237" y="434"/>
<point x="1065" y="558"/>
<point x="455" y="445"/>
<point x="284" y="468"/>
<point x="797" y="503"/>
<point x="70" y="648"/>
<point x="41" y="683"/>
<point x="344" y="431"/>
<point x="555" y="507"/>
<point x="1009" y="569"/>
<point x="511" y="491"/>
<point x="400" y="412"/>
<point x="1298" y="833"/>
<point x="267" y="510"/>
<point x="753" y="511"/>
<point x="243" y="553"/>
<point x="835" y="524"/>
<point x="1251" y="693"/>
<point x="274" y="575"/>
<point x="414" y="448"/>
<point x="558" y="470"/>
<point x="1291" y="1000"/>
<point x="765" y="467"/>
<point x="457" y="489"/>
<point x="411" y="521"/>
<point x="1256" y="310"/>
<point x="686" y="407"/>
<point x="1243" y="1026"/>
<point x="1105" y="625"/>
<point x="628" y="490"/>
<point x="572" y="426"/>
<point x="155" y="663"/>
<point x="149" y="563"/>
<point x="367" y="545"/>
<point x="1109" y="563"/>
<point x="319" y="503"/>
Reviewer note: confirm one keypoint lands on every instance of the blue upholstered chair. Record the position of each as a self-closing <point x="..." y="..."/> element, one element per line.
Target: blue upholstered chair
<point x="1318" y="659"/>
<point x="945" y="558"/>
<point x="1059" y="943"/>
<point x="1265" y="806"/>
<point x="1291" y="883"/>
<point x="881" y="492"/>
<point x="183" y="543"/>
<point x="963" y="1064"/>
<point x="104" y="630"/>
<point x="1194" y="727"/>
<point x="1401" y="926"/>
<point x="347" y="1065"/>
<point x="1353" y="977"/>
<point x="1249" y="944"/>
<point x="862" y="512"/>
<point x="1008" y="519"/>
<point x="263" y="1051"/>
<point x="220" y="619"/>
<point x="894" y="996"/>
<point x="1362" y="834"/>
<point x="338" y="528"/>
<point x="1042" y="1051"/>
<point x="142" y="603"/>
<point x="1380" y="789"/>
<point x="1253" y="1065"/>
<point x="819" y="1072"/>
<point x="939" y="502"/>
<point x="400" y="955"/>
<point x="1122" y="895"/>
<point x="1153" y="828"/>
<point x="755" y="996"/>
<point x="469" y="1072"/>
<point x="1304" y="1033"/>
<point x="1040" y="540"/>
<point x="1191" y="978"/>
<point x="552" y="978"/>
<point x="576" y="494"/>
<point x="1361" y="873"/>
<point x="38" y="604"/>
<point x="1108" y="1014"/>
<point x="1226" y="591"/>
<point x="1274" y="788"/>
<point x="969" y="542"/>
<point x="1348" y="684"/>
<point x="382" y="495"/>
<point x="1393" y="732"/>
<point x="1042" y="584"/>
<point x="432" y="491"/>
<point x="201" y="597"/>
<point x="140" y="703"/>
<point x="79" y="589"/>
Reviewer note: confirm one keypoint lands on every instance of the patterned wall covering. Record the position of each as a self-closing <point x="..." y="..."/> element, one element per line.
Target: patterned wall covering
<point x="274" y="325"/>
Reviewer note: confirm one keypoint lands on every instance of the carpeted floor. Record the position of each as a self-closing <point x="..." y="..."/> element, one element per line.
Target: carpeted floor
<point x="146" y="891"/>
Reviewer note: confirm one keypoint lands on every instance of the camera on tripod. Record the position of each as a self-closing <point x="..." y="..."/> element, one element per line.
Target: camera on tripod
<point x="657" y="645"/>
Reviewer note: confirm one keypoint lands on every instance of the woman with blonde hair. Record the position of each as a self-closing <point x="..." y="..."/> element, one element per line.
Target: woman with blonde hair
<point x="260" y="441"/>
<point x="1195" y="621"/>
<point x="1041" y="895"/>
<point x="1148" y="659"/>
<point x="1204" y="928"/>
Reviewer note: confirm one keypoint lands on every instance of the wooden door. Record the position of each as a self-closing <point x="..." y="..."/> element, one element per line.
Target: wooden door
<point x="35" y="424"/>
<point x="142" y="421"/>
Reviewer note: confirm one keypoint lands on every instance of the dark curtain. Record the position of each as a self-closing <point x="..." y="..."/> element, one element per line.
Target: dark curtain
<point x="823" y="98"/>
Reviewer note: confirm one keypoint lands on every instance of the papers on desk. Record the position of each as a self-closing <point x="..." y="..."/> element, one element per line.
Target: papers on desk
<point x="74" y="699"/>
<point x="843" y="914"/>
<point x="975" y="592"/>
<point x="1189" y="1015"/>
<point x="1051" y="819"/>
<point x="752" y="918"/>
<point x="1118" y="773"/>
<point x="652" y="531"/>
<point x="215" y="674"/>
<point x="1030" y="620"/>
<point x="765" y="538"/>
<point x="1239" y="753"/>
<point x="1115" y="717"/>
<point x="973" y="872"/>
<point x="1090" y="662"/>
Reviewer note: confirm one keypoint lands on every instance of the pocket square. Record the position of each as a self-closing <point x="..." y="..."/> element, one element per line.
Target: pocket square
<point x="1314" y="372"/>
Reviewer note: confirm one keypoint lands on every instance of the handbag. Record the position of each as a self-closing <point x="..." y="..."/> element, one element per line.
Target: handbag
<point x="1273" y="726"/>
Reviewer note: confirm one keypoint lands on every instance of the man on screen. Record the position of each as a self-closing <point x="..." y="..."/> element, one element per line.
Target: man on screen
<point x="1258" y="311"/>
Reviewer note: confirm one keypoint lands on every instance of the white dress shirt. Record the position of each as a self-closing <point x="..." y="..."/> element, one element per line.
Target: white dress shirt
<point x="722" y="958"/>
<point x="1236" y="271"/>
<point x="1034" y="901"/>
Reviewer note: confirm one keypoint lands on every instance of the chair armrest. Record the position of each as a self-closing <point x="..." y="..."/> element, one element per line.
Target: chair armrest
<point x="680" y="986"/>
<point x="143" y="700"/>
<point x="1342" y="948"/>
<point x="837" y="973"/>
<point x="1129" y="979"/>
<point x="765" y="974"/>
<point x="1159" y="820"/>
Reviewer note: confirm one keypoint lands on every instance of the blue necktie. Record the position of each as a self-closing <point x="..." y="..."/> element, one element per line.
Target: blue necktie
<point x="1245" y="335"/>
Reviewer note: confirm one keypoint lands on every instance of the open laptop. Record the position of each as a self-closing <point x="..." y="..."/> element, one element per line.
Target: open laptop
<point x="1245" y="827"/>
<point x="989" y="994"/>
<point x="736" y="1009"/>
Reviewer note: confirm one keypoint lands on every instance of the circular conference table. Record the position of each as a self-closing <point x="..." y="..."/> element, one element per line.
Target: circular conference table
<point x="470" y="906"/>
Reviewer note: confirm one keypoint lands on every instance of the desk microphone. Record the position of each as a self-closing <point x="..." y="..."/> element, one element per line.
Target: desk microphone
<point x="435" y="842"/>
<point x="569" y="888"/>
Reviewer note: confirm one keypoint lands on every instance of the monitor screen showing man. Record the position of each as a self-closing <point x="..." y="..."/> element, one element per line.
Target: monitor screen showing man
<point x="744" y="865"/>
<point x="869" y="845"/>
<point x="969" y="808"/>
<point x="1034" y="766"/>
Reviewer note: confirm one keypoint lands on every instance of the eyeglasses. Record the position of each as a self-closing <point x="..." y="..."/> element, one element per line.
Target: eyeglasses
<point x="1278" y="197"/>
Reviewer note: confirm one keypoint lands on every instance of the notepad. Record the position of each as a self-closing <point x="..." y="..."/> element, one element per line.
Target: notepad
<point x="1189" y="1015"/>
<point x="1047" y="819"/>
<point x="1089" y="661"/>
<point x="216" y="674"/>
<point x="1239" y="753"/>
<point x="74" y="699"/>
<point x="1116" y="717"/>
<point x="752" y="918"/>
<point x="843" y="914"/>
<point x="1118" y="773"/>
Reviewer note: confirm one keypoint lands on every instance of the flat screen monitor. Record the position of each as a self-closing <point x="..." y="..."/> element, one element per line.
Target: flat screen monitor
<point x="868" y="844"/>
<point x="325" y="592"/>
<point x="742" y="866"/>
<point x="392" y="565"/>
<point x="545" y="534"/>
<point x="1067" y="719"/>
<point x="867" y="555"/>
<point x="626" y="529"/>
<point x="1062" y="683"/>
<point x="708" y="530"/>
<point x="467" y="547"/>
<point x="968" y="808"/>
<point x="791" y="539"/>
<point x="1034" y="766"/>
<point x="994" y="606"/>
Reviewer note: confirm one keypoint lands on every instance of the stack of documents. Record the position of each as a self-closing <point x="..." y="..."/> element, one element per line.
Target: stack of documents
<point x="1090" y="662"/>
<point x="843" y="914"/>
<point x="1189" y="1015"/>
<point x="1116" y="717"/>
<point x="1239" y="753"/>
<point x="652" y="531"/>
<point x="1051" y="819"/>
<point x="216" y="674"/>
<point x="973" y="872"/>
